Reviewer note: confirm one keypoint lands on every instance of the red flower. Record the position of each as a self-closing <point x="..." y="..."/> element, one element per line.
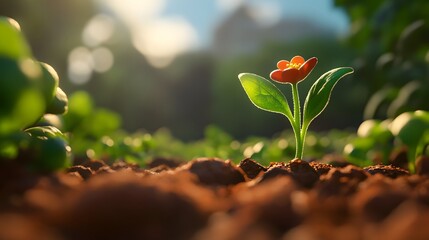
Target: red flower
<point x="294" y="71"/>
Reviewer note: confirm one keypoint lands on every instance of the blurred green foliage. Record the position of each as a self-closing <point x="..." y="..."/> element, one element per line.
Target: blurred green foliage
<point x="88" y="127"/>
<point x="377" y="140"/>
<point x="27" y="90"/>
<point x="47" y="149"/>
<point x="198" y="89"/>
<point x="95" y="133"/>
<point x="390" y="40"/>
<point x="387" y="46"/>
<point x="142" y="147"/>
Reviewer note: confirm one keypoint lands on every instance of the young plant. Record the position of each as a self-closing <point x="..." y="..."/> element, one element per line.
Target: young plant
<point x="266" y="96"/>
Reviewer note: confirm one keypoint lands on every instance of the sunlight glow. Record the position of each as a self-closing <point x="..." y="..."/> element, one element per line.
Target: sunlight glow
<point x="98" y="30"/>
<point x="30" y="68"/>
<point x="266" y="14"/>
<point x="162" y="40"/>
<point x="134" y="12"/>
<point x="229" y="5"/>
<point x="80" y="64"/>
<point x="103" y="59"/>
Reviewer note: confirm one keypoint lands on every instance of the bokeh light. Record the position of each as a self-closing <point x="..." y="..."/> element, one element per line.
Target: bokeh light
<point x="103" y="59"/>
<point x="80" y="65"/>
<point x="162" y="40"/>
<point x="98" y="30"/>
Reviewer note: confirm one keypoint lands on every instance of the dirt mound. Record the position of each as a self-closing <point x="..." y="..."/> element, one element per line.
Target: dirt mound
<point x="214" y="199"/>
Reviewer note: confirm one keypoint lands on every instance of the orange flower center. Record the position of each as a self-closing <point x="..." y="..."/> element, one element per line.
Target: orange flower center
<point x="296" y="62"/>
<point x="295" y="65"/>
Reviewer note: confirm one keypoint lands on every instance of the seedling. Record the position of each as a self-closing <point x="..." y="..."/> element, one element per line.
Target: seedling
<point x="266" y="96"/>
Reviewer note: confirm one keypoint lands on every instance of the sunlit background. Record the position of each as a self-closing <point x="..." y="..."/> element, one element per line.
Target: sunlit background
<point x="174" y="63"/>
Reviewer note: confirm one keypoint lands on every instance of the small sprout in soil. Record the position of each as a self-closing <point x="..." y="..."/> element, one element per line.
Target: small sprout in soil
<point x="266" y="96"/>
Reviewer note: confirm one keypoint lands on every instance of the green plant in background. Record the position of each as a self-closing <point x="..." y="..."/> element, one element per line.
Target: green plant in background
<point x="266" y="96"/>
<point x="141" y="147"/>
<point x="91" y="128"/>
<point x="390" y="40"/>
<point x="377" y="139"/>
<point x="412" y="130"/>
<point x="29" y="89"/>
<point x="374" y="143"/>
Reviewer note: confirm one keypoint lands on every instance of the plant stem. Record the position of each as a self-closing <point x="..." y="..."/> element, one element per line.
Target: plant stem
<point x="411" y="159"/>
<point x="297" y="121"/>
<point x="304" y="129"/>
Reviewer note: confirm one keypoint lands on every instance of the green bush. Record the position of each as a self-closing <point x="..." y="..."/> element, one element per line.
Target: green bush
<point x="28" y="90"/>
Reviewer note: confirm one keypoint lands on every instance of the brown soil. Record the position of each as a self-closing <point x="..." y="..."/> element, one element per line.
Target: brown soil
<point x="214" y="199"/>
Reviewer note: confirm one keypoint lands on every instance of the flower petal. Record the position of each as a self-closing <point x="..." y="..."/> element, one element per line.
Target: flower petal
<point x="282" y="64"/>
<point x="291" y="75"/>
<point x="276" y="75"/>
<point x="307" y="67"/>
<point x="297" y="60"/>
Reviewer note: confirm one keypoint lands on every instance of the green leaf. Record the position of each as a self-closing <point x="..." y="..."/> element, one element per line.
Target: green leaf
<point x="13" y="44"/>
<point x="358" y="151"/>
<point x="410" y="127"/>
<point x="49" y="82"/>
<point x="21" y="102"/>
<point x="264" y="94"/>
<point x="319" y="94"/>
<point x="47" y="150"/>
<point x="59" y="104"/>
